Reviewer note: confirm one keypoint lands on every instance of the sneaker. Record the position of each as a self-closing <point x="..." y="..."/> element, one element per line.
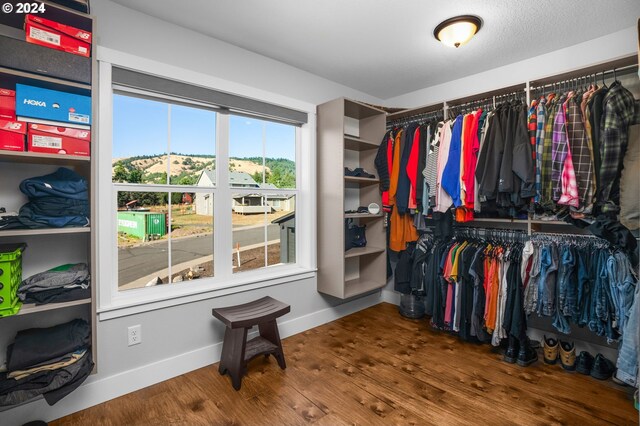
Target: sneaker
<point x="526" y="355"/>
<point x="602" y="368"/>
<point x="568" y="356"/>
<point x="584" y="363"/>
<point x="511" y="354"/>
<point x="550" y="349"/>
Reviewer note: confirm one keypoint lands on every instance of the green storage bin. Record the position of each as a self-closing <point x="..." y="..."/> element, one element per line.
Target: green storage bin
<point x="144" y="225"/>
<point x="10" y="278"/>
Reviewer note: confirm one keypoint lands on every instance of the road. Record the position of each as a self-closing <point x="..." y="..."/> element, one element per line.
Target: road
<point x="146" y="259"/>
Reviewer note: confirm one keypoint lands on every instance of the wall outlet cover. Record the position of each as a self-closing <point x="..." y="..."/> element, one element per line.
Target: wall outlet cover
<point x="135" y="334"/>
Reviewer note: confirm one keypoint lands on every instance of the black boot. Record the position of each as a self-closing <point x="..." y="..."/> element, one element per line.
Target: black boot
<point x="511" y="354"/>
<point x="526" y="355"/>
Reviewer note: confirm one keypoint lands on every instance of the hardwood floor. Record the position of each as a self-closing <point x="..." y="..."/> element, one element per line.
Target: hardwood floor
<point x="374" y="368"/>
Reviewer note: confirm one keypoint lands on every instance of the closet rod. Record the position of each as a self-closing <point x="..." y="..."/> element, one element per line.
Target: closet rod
<point x="427" y="116"/>
<point x="624" y="65"/>
<point x="588" y="78"/>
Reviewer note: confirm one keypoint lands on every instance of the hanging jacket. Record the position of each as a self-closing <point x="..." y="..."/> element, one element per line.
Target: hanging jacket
<point x="451" y="173"/>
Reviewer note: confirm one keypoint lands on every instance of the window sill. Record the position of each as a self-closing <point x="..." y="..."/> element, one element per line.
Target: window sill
<point x="137" y="301"/>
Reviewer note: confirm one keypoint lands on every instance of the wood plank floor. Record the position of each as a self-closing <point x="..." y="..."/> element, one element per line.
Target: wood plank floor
<point x="374" y="368"/>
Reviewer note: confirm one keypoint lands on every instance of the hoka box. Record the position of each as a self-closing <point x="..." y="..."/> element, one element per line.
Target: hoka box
<point x="10" y="278"/>
<point x="51" y="105"/>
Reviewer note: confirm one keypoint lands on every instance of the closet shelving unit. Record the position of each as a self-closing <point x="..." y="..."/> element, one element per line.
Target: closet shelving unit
<point x="50" y="247"/>
<point x="349" y="134"/>
<point x="528" y="89"/>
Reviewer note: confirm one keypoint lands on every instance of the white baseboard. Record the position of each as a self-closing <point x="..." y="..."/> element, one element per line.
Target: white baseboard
<point x="95" y="392"/>
<point x="391" y="296"/>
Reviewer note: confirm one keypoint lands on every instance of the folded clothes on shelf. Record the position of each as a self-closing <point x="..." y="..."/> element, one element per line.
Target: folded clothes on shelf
<point x="51" y="362"/>
<point x="358" y="172"/>
<point x="56" y="200"/>
<point x="61" y="284"/>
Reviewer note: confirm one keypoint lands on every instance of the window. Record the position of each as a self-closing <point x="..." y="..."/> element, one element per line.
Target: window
<point x="262" y="175"/>
<point x="163" y="170"/>
<point x="171" y="197"/>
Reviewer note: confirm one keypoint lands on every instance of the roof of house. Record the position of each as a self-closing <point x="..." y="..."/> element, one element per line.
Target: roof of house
<point x="284" y="218"/>
<point x="235" y="178"/>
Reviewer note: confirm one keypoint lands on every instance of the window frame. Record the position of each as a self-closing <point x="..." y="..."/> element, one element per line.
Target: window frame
<point x="114" y="303"/>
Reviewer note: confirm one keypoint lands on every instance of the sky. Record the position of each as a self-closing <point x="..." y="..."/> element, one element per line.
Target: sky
<point x="140" y="127"/>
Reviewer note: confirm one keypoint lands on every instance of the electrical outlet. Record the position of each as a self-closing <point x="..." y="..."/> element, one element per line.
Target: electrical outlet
<point x="135" y="335"/>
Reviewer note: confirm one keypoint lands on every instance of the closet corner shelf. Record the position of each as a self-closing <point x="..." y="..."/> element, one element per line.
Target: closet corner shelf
<point x="363" y="251"/>
<point x="32" y="308"/>
<point x="358" y="286"/>
<point x="44" y="231"/>
<point x="362" y="215"/>
<point x="359" y="110"/>
<point x="41" y="158"/>
<point x="361" y="180"/>
<point x="356" y="144"/>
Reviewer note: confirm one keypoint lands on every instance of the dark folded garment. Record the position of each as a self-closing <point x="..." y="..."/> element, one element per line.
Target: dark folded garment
<point x="36" y="345"/>
<point x="31" y="219"/>
<point x="58" y="206"/>
<point x="62" y="183"/>
<point x="53" y="385"/>
<point x="57" y="295"/>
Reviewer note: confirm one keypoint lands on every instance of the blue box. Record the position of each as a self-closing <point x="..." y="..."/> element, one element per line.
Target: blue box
<point x="51" y="105"/>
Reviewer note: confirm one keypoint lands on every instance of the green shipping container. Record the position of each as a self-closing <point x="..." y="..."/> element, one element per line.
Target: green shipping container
<point x="144" y="225"/>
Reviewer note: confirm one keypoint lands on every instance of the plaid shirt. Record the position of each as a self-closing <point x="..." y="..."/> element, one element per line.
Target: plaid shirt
<point x="618" y="111"/>
<point x="559" y="149"/>
<point x="579" y="152"/>
<point x="540" y="116"/>
<point x="545" y="169"/>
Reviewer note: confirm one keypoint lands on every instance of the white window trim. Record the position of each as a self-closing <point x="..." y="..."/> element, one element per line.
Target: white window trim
<point x="111" y="302"/>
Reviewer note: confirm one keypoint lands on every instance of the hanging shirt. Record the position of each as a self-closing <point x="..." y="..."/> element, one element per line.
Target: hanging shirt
<point x="580" y="156"/>
<point x="451" y="172"/>
<point x="618" y="112"/>
<point x="546" y="183"/>
<point x="443" y="200"/>
<point x="559" y="150"/>
<point x="541" y="112"/>
<point x="412" y="169"/>
<point x="430" y="172"/>
<point x="483" y="125"/>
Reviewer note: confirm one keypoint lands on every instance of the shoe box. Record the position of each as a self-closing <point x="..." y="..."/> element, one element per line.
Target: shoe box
<point x="58" y="140"/>
<point x="55" y="35"/>
<point x="7" y="104"/>
<point x="36" y="103"/>
<point x="12" y="135"/>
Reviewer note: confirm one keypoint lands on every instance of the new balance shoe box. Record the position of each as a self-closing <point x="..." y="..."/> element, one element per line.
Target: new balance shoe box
<point x="58" y="140"/>
<point x="52" y="105"/>
<point x="7" y="104"/>
<point x="55" y="35"/>
<point x="12" y="135"/>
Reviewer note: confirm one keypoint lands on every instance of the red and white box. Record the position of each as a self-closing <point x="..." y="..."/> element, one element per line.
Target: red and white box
<point x="7" y="104"/>
<point x="55" y="35"/>
<point x="12" y="135"/>
<point x="58" y="140"/>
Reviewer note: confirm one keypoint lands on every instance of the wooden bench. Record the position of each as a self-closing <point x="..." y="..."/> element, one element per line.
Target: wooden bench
<point x="236" y="350"/>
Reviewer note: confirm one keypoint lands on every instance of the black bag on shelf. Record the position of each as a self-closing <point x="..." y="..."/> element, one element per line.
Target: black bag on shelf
<point x="354" y="235"/>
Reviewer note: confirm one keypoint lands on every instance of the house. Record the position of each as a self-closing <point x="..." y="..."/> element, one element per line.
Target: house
<point x="245" y="203"/>
<point x="287" y="237"/>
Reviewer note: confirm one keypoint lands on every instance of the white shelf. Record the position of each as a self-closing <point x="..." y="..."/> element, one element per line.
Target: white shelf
<point x="32" y="308"/>
<point x="362" y="215"/>
<point x="363" y="251"/>
<point x="356" y="144"/>
<point x="361" y="180"/>
<point x="44" y="231"/>
<point x="41" y="158"/>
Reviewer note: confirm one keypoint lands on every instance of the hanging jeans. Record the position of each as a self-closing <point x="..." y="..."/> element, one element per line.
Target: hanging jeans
<point x="566" y="300"/>
<point x="628" y="354"/>
<point x="622" y="284"/>
<point x="547" y="284"/>
<point x="601" y="318"/>
<point x="586" y="274"/>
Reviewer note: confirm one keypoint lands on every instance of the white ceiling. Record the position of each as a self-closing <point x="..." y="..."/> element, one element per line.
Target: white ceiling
<point x="386" y="48"/>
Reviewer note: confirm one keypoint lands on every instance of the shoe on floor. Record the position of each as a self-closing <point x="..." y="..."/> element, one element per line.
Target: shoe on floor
<point x="602" y="368"/>
<point x="584" y="363"/>
<point x="511" y="354"/>
<point x="568" y="356"/>
<point x="526" y="355"/>
<point x="550" y="349"/>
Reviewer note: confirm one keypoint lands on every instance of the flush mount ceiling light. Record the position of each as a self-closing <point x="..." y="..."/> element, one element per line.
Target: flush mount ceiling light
<point x="458" y="30"/>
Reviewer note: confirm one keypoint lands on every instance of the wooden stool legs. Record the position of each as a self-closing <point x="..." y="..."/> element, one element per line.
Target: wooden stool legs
<point x="269" y="331"/>
<point x="232" y="359"/>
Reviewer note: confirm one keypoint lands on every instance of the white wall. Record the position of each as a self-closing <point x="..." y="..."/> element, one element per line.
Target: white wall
<point x="613" y="46"/>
